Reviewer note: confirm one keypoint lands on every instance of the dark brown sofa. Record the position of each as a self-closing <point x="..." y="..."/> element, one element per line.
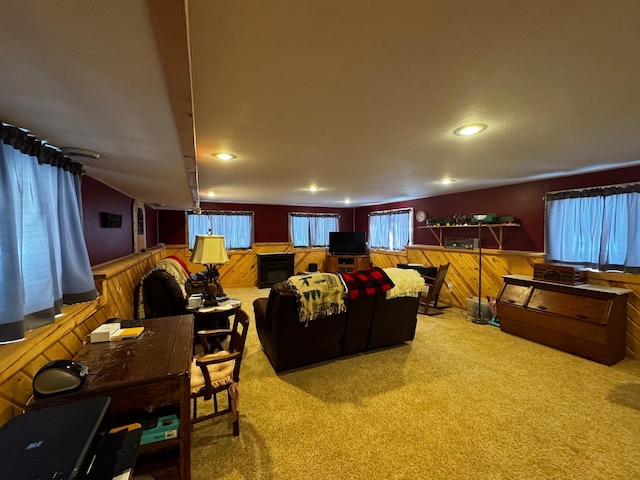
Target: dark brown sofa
<point x="369" y="322"/>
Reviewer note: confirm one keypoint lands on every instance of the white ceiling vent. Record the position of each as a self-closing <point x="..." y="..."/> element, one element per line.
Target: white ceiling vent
<point x="79" y="152"/>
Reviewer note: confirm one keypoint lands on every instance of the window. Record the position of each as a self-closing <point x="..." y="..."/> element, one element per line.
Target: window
<point x="390" y="229"/>
<point x="44" y="262"/>
<point x="237" y="227"/>
<point x="312" y="229"/>
<point x="597" y="227"/>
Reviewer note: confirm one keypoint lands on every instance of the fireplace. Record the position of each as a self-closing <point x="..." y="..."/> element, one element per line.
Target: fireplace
<point x="274" y="268"/>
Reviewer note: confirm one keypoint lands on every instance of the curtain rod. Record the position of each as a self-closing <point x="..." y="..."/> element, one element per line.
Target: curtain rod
<point x="622" y="185"/>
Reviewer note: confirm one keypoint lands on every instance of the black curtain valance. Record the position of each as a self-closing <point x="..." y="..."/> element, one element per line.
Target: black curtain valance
<point x="595" y="192"/>
<point x="227" y="212"/>
<point x="319" y="215"/>
<point x="388" y="212"/>
<point x="30" y="145"/>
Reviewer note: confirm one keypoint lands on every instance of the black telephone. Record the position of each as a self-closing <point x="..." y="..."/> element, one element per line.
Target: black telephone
<point x="59" y="376"/>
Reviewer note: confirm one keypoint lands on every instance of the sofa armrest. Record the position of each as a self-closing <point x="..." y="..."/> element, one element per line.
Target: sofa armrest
<point x="260" y="310"/>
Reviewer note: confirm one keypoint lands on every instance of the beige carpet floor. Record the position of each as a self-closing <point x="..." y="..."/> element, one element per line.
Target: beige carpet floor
<point x="462" y="401"/>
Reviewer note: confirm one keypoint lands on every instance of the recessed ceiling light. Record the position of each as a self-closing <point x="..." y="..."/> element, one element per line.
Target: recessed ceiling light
<point x="446" y="181"/>
<point x="211" y="194"/>
<point x="224" y="156"/>
<point x="347" y="201"/>
<point x="313" y="189"/>
<point x="470" y="129"/>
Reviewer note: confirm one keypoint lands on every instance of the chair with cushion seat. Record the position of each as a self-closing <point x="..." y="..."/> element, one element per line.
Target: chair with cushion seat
<point x="431" y="291"/>
<point x="214" y="373"/>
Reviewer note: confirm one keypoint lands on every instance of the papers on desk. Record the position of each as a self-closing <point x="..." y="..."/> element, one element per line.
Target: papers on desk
<point x="112" y="332"/>
<point x="123" y="333"/>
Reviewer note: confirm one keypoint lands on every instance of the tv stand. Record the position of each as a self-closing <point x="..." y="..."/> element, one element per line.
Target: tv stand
<point x="346" y="263"/>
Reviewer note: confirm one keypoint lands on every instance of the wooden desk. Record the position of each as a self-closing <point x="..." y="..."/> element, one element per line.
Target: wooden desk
<point x="147" y="372"/>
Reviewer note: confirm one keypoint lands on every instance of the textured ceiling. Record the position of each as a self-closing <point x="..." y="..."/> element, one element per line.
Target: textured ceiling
<point x="359" y="98"/>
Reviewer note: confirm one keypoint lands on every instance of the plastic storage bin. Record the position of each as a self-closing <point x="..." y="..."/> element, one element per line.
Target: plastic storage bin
<point x="472" y="310"/>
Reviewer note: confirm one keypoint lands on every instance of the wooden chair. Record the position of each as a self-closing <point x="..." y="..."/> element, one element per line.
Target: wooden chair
<point x="214" y="373"/>
<point x="431" y="291"/>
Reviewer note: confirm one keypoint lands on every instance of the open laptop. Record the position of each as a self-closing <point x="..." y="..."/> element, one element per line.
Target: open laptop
<point x="54" y="443"/>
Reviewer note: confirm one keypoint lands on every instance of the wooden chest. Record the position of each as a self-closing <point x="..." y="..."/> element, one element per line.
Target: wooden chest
<point x="559" y="273"/>
<point x="586" y="320"/>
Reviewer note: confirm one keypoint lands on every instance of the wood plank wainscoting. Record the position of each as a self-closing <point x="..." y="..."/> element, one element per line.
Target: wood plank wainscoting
<point x="64" y="338"/>
<point x="463" y="277"/>
<point x="242" y="269"/>
<point x="117" y="280"/>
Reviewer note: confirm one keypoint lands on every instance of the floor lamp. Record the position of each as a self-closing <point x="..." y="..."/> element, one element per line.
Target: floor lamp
<point x="478" y="319"/>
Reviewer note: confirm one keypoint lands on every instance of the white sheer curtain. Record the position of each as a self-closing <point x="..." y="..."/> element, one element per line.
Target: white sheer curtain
<point x="597" y="228"/>
<point x="320" y="227"/>
<point x="378" y="231"/>
<point x="312" y="229"/>
<point x="198" y="225"/>
<point x="299" y="229"/>
<point x="236" y="227"/>
<point x="43" y="256"/>
<point x="390" y="230"/>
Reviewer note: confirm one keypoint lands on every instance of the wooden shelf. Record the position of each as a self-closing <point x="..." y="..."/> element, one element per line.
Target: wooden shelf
<point x="437" y="231"/>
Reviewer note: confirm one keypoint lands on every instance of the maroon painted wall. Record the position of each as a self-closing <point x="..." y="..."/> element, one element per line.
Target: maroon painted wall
<point x="271" y="222"/>
<point x="172" y="227"/>
<point x="106" y="244"/>
<point x="525" y="201"/>
<point x="151" y="225"/>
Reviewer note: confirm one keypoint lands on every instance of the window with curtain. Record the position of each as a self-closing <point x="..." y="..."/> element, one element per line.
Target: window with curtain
<point x="390" y="229"/>
<point x="596" y="227"/>
<point x="312" y="229"/>
<point x="236" y="227"/>
<point x="44" y="262"/>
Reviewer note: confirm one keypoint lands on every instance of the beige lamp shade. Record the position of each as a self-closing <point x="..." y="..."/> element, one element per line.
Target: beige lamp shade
<point x="209" y="249"/>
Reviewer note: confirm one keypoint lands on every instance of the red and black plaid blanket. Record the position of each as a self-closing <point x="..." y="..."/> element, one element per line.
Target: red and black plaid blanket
<point x="360" y="283"/>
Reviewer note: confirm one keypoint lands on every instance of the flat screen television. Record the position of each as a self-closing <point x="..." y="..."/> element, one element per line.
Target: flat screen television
<point x="347" y="243"/>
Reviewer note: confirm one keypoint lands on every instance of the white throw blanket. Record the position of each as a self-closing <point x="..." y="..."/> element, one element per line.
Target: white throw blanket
<point x="318" y="294"/>
<point x="408" y="282"/>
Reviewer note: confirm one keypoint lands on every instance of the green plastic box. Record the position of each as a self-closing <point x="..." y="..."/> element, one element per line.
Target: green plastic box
<point x="166" y="428"/>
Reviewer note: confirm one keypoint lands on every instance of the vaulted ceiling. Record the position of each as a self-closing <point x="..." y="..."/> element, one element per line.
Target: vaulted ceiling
<point x="357" y="98"/>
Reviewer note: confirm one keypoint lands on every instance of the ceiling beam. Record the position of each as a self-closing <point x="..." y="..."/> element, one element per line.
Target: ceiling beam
<point x="169" y="19"/>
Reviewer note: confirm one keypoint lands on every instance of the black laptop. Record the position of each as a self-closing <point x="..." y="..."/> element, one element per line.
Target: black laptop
<point x="54" y="443"/>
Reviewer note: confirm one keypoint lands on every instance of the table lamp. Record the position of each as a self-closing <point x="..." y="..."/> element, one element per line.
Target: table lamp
<point x="209" y="250"/>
